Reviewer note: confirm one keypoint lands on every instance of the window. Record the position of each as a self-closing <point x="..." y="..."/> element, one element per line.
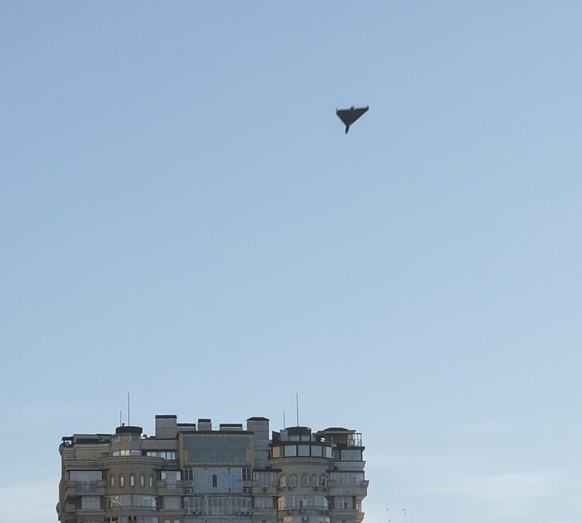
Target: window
<point x="224" y="449"/>
<point x="172" y="502"/>
<point x="351" y="455"/>
<point x="113" y="502"/>
<point x="85" y="475"/>
<point x="293" y="502"/>
<point x="112" y="480"/>
<point x="127" y="452"/>
<point x="316" y="451"/>
<point x="121" y="480"/>
<point x="85" y="480"/>
<point x="151" y="480"/>
<point x="314" y="480"/>
<point x="246" y="473"/>
<point x="303" y="450"/>
<point x="348" y="479"/>
<point x="147" y="519"/>
<point x="292" y="480"/>
<point x="263" y="502"/>
<point x="343" y="502"/>
<point x="132" y="480"/>
<point x="164" y="454"/>
<point x="171" y="477"/>
<point x="214" y="480"/>
<point x="187" y="474"/>
<point x="218" y="505"/>
<point x="91" y="503"/>
<point x="141" y="480"/>
<point x="305" y="480"/>
<point x="145" y="502"/>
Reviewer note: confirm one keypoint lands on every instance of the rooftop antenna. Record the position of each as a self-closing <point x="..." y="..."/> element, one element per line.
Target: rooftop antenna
<point x="297" y="406"/>
<point x="284" y="426"/>
<point x="128" y="418"/>
<point x="120" y="418"/>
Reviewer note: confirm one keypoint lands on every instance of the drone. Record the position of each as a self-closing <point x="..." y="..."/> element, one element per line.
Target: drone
<point x="349" y="116"/>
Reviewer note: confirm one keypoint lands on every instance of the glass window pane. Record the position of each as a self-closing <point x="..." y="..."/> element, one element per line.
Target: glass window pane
<point x="316" y="451"/>
<point x="303" y="450"/>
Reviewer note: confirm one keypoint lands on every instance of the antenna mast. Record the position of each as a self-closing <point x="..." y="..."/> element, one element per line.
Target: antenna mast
<point x="128" y="418"/>
<point x="297" y="406"/>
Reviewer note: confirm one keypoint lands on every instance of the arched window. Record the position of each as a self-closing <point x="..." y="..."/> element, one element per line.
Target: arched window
<point x="121" y="480"/>
<point x="314" y="480"/>
<point x="141" y="480"/>
<point x="132" y="480"/>
<point x="322" y="480"/>
<point x="305" y="480"/>
<point x="151" y="480"/>
<point x="292" y="480"/>
<point x="112" y="480"/>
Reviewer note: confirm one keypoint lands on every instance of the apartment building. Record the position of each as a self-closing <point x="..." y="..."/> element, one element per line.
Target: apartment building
<point x="197" y="473"/>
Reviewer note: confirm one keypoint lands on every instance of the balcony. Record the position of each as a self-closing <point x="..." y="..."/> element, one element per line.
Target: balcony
<point x="269" y="490"/>
<point x="77" y="488"/>
<point x="358" y="489"/>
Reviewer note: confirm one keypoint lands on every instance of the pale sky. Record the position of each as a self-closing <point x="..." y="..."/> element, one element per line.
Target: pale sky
<point x="184" y="219"/>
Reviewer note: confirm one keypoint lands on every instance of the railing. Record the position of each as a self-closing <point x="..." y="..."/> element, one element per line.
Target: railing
<point x="356" y="488"/>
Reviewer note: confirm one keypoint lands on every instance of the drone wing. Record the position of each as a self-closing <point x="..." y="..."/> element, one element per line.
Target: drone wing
<point x="345" y="116"/>
<point x="349" y="116"/>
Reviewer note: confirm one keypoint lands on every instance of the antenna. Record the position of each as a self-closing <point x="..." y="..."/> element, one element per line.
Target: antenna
<point x="284" y="426"/>
<point x="128" y="418"/>
<point x="297" y="406"/>
<point x="120" y="418"/>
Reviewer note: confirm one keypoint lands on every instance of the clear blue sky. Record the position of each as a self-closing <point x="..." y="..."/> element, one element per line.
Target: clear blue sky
<point x="183" y="218"/>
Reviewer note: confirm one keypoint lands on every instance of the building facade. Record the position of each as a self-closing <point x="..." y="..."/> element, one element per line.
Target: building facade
<point x="194" y="473"/>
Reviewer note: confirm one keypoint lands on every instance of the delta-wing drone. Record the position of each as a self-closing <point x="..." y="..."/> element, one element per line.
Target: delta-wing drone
<point x="349" y="116"/>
